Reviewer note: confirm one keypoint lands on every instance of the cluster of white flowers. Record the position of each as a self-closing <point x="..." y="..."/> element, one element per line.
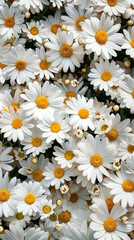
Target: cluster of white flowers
<point x="66" y="119"/>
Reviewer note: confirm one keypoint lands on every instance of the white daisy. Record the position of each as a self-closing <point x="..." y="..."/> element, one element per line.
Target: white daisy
<point x="103" y="126"/>
<point x="18" y="219"/>
<point x="42" y="100"/>
<point x="63" y="53"/>
<point x="105" y="75"/>
<point x="101" y="36"/>
<point x="126" y="147"/>
<point x="15" y="125"/>
<point x="101" y="110"/>
<point x="112" y="7"/>
<point x="92" y="159"/>
<point x="27" y="197"/>
<point x="32" y="5"/>
<point x="129" y="41"/>
<point x="46" y="208"/>
<point x="81" y="112"/>
<point x="57" y="3"/>
<point x="19" y="154"/>
<point x="22" y="65"/>
<point x="5" y="158"/>
<point x="8" y="101"/>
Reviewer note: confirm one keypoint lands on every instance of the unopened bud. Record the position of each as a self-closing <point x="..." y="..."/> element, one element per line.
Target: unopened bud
<point x="116" y="108"/>
<point x="83" y="70"/>
<point x="64" y="189"/>
<point x="1" y="229"/>
<point x="116" y="166"/>
<point x="67" y="81"/>
<point x="130" y="22"/>
<point x="96" y="190"/>
<point x="124" y="219"/>
<point x="27" y="15"/>
<point x="59" y="202"/>
<point x="29" y="170"/>
<point x="34" y="160"/>
<point x="74" y="83"/>
<point x="64" y="27"/>
<point x="80" y="41"/>
<point x="79" y="133"/>
<point x="58" y="227"/>
<point x="127" y="64"/>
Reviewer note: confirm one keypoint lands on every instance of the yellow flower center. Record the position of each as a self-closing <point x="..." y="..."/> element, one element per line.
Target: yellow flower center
<point x="109" y="204"/>
<point x="78" y="20"/>
<point x="132" y="43"/>
<point x="128" y="186"/>
<point x="21" y="155"/>
<point x="106" y="76"/>
<point x="69" y="155"/>
<point x="133" y="94"/>
<point x="83" y="113"/>
<point x="15" y="106"/>
<point x="42" y="102"/>
<point x="20" y="65"/>
<point x="54" y="28"/>
<point x="4" y="195"/>
<point x="96" y="160"/>
<point x="2" y="65"/>
<point x="70" y="94"/>
<point x="46" y="209"/>
<point x="53" y="217"/>
<point x="34" y="31"/>
<point x="110" y="225"/>
<point x="55" y="127"/>
<point x="44" y="65"/>
<point x="30" y="198"/>
<point x="66" y="99"/>
<point x="19" y="216"/>
<point x="112" y="135"/>
<point x="130" y="148"/>
<point x="36" y="142"/>
<point x="9" y="22"/>
<point x="59" y="172"/>
<point x="17" y="123"/>
<point x="112" y="3"/>
<point x="37" y="175"/>
<point x="64" y="216"/>
<point x="66" y="50"/>
<point x="101" y="37"/>
<point x="104" y="127"/>
<point x="74" y="198"/>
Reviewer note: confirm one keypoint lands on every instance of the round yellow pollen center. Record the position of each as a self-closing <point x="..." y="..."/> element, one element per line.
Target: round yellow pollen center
<point x="133" y="94"/>
<point x="74" y="198"/>
<point x="30" y="198"/>
<point x="53" y="217"/>
<point x="55" y="127"/>
<point x="109" y="204"/>
<point x="110" y="225"/>
<point x="132" y="43"/>
<point x="130" y="148"/>
<point x="44" y="65"/>
<point x="42" y="102"/>
<point x="104" y="127"/>
<point x="96" y="160"/>
<point x="66" y="50"/>
<point x="70" y="94"/>
<point x="64" y="216"/>
<point x="4" y="195"/>
<point x="83" y="113"/>
<point x="34" y="31"/>
<point x="128" y="186"/>
<point x="9" y="22"/>
<point x="20" y="65"/>
<point x="106" y="76"/>
<point x="21" y="155"/>
<point x="46" y="209"/>
<point x="112" y="135"/>
<point x="54" y="28"/>
<point x="36" y="142"/>
<point x="112" y="3"/>
<point x="19" y="216"/>
<point x="15" y="106"/>
<point x="101" y="37"/>
<point x="17" y="123"/>
<point x="59" y="172"/>
<point x="37" y="175"/>
<point x="69" y="155"/>
<point x="2" y="65"/>
<point x="78" y="20"/>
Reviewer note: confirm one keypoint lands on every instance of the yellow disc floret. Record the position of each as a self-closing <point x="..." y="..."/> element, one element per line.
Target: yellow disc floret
<point x="20" y="65"/>
<point x="128" y="186"/>
<point x="112" y="135"/>
<point x="46" y="209"/>
<point x="34" y="31"/>
<point x="64" y="216"/>
<point x="83" y="113"/>
<point x="70" y="94"/>
<point x="30" y="198"/>
<point x="112" y="3"/>
<point x="110" y="225"/>
<point x="19" y="216"/>
<point x="78" y="20"/>
<point x="59" y="172"/>
<point x="42" y="102"/>
<point x="96" y="160"/>
<point x="17" y="123"/>
<point x="44" y="65"/>
<point x="69" y="155"/>
<point x="36" y="142"/>
<point x="54" y="28"/>
<point x="130" y="148"/>
<point x="106" y="76"/>
<point x="9" y="22"/>
<point x="66" y="50"/>
<point x="37" y="175"/>
<point x="101" y="37"/>
<point x="55" y="127"/>
<point x="74" y="198"/>
<point x="4" y="195"/>
<point x="104" y="127"/>
<point x="109" y="203"/>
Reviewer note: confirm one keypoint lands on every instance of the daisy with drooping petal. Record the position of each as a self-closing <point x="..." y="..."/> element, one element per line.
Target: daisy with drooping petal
<point x="46" y="208"/>
<point x="41" y="100"/>
<point x="112" y="7"/>
<point x="81" y="112"/>
<point x="5" y="158"/>
<point x="105" y="75"/>
<point x="15" y="125"/>
<point x="22" y="65"/>
<point x="101" y="36"/>
<point x="126" y="147"/>
<point x="64" y="53"/>
<point x="92" y="160"/>
<point x="129" y="41"/>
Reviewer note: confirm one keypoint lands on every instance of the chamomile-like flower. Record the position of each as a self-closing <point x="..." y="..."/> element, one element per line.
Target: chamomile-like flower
<point x="112" y="7"/>
<point x="8" y="101"/>
<point x="126" y="147"/>
<point x="129" y="41"/>
<point x="18" y="219"/>
<point x="52" y="23"/>
<point x="46" y="208"/>
<point x="5" y="158"/>
<point x="32" y="5"/>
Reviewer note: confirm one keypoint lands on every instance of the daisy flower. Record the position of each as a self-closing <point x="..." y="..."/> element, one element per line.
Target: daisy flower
<point x="15" y="125"/>
<point x="103" y="126"/>
<point x="54" y="175"/>
<point x="11" y="20"/>
<point x="46" y="208"/>
<point x="52" y="23"/>
<point x="22" y="65"/>
<point x="101" y="111"/>
<point x="54" y="127"/>
<point x="129" y="41"/>
<point x="5" y="158"/>
<point x="18" y="219"/>
<point x="19" y="154"/>
<point x="105" y="75"/>
<point x="30" y="5"/>
<point x="64" y="53"/>
<point x="108" y="225"/>
<point x="122" y="187"/>
<point x="27" y="197"/>
<point x="8" y="101"/>
<point x="112" y="7"/>
<point x="57" y="3"/>
<point x="126" y="147"/>
<point x="41" y="100"/>
<point x="92" y="159"/>
<point x="81" y="112"/>
<point x="35" y="31"/>
<point x="46" y="69"/>
<point x="101" y="36"/>
<point x="7" y="205"/>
